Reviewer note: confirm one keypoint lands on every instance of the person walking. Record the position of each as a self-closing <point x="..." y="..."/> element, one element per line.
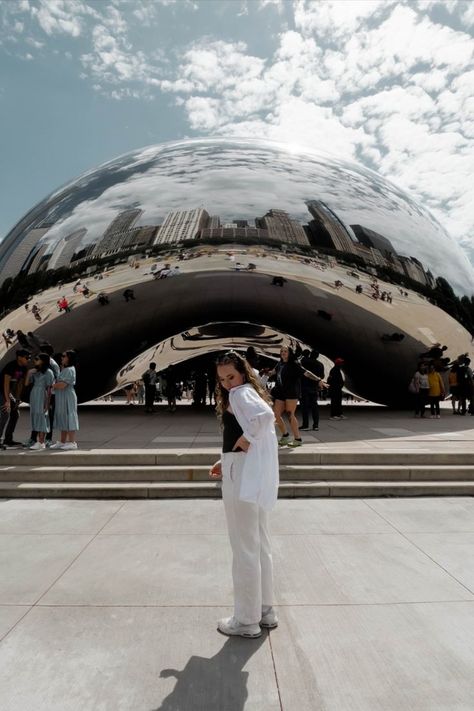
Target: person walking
<point x="249" y="471"/>
<point x="65" y="416"/>
<point x="310" y="389"/>
<point x="336" y="383"/>
<point x="149" y="381"/>
<point x="436" y="391"/>
<point x="42" y="378"/>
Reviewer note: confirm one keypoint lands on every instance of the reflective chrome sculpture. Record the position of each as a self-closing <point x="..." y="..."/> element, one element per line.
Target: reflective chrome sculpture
<point x="243" y="232"/>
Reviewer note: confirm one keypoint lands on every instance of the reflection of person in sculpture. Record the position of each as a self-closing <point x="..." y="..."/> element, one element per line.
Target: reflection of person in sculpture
<point x="249" y="470"/>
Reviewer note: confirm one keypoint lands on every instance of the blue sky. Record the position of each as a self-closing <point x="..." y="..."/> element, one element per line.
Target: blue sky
<point x="387" y="84"/>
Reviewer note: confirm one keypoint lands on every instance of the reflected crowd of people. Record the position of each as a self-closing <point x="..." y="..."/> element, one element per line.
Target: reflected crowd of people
<point x="437" y="378"/>
<point x="296" y="382"/>
<point x="296" y="379"/>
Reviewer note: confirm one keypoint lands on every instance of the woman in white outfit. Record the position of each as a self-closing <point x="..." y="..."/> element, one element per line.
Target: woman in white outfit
<point x="249" y="470"/>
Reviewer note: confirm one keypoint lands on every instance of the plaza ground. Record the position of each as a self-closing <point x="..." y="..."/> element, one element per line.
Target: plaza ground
<point x="112" y="605"/>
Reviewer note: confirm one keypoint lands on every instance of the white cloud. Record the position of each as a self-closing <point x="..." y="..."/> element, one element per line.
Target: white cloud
<point x="336" y="18"/>
<point x="383" y="81"/>
<point x="203" y="113"/>
<point x="392" y="88"/>
<point x="59" y="16"/>
<point x="113" y="61"/>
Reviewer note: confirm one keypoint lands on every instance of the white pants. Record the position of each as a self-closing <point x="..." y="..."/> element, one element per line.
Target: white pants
<point x="252" y="565"/>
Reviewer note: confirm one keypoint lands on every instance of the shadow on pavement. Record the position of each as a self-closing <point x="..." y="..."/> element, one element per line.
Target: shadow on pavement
<point x="213" y="684"/>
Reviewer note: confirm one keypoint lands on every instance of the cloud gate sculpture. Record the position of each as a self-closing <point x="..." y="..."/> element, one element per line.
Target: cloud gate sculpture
<point x="193" y="246"/>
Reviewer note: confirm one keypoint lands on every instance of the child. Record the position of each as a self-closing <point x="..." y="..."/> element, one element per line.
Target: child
<point x="249" y="470"/>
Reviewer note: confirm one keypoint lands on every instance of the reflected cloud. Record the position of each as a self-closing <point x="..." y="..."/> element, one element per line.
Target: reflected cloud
<point x="239" y="181"/>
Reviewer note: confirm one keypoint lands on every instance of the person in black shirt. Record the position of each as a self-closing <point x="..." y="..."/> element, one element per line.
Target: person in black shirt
<point x="310" y="389"/>
<point x="149" y="381"/>
<point x="12" y="381"/>
<point x="287" y="392"/>
<point x="336" y="383"/>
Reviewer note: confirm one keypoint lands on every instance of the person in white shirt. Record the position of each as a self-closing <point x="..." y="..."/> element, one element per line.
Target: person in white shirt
<point x="249" y="471"/>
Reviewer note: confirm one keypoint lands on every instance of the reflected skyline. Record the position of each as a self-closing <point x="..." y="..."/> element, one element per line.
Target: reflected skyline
<point x="193" y="227"/>
<point x="223" y="189"/>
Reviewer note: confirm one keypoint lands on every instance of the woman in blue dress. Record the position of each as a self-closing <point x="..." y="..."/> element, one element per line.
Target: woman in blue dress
<point x="65" y="415"/>
<point x="42" y="378"/>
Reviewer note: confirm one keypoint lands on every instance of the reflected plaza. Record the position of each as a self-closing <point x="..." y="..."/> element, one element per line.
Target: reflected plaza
<point x="270" y="245"/>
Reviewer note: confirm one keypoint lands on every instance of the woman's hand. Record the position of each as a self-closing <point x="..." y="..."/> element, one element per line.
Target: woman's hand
<point x="215" y="471"/>
<point x="242" y="443"/>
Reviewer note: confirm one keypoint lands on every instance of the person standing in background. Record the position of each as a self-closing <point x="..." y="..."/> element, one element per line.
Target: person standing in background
<point x="310" y="389"/>
<point x="65" y="416"/>
<point x="12" y="382"/>
<point x="436" y="392"/>
<point x="336" y="383"/>
<point x="42" y="378"/>
<point x="149" y="381"/>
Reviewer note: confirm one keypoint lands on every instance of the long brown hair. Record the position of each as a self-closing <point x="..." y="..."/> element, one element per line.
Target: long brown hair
<point x="241" y="366"/>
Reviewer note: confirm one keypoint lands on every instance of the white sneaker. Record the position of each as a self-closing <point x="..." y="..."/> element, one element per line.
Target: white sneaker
<point x="37" y="445"/>
<point x="269" y="618"/>
<point x="56" y="445"/>
<point x="230" y="626"/>
<point x="68" y="445"/>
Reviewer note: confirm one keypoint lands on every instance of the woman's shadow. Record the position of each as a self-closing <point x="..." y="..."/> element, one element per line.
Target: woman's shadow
<point x="213" y="684"/>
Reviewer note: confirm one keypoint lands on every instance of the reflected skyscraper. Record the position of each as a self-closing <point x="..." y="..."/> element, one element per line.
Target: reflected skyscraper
<point x="65" y="250"/>
<point x="182" y="225"/>
<point x="39" y="258"/>
<point x="116" y="233"/>
<point x="281" y="228"/>
<point x="327" y="229"/>
<point x="14" y="263"/>
<point x="233" y="215"/>
<point x="373" y="239"/>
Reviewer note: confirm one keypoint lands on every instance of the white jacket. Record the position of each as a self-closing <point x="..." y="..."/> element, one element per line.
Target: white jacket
<point x="260" y="474"/>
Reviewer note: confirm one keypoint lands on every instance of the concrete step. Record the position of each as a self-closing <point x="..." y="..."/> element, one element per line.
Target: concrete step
<point x="178" y="473"/>
<point x="206" y="456"/>
<point x="288" y="489"/>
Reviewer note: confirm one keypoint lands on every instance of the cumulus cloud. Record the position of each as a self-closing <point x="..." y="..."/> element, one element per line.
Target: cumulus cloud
<point x="58" y="16"/>
<point x="378" y="81"/>
<point x="385" y="82"/>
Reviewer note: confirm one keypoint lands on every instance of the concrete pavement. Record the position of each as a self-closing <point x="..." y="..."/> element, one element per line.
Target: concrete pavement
<point x="112" y="605"/>
<point x="109" y="605"/>
<point x="367" y="427"/>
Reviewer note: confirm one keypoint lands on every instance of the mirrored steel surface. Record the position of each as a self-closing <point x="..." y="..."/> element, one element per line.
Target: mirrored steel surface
<point x="224" y="219"/>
